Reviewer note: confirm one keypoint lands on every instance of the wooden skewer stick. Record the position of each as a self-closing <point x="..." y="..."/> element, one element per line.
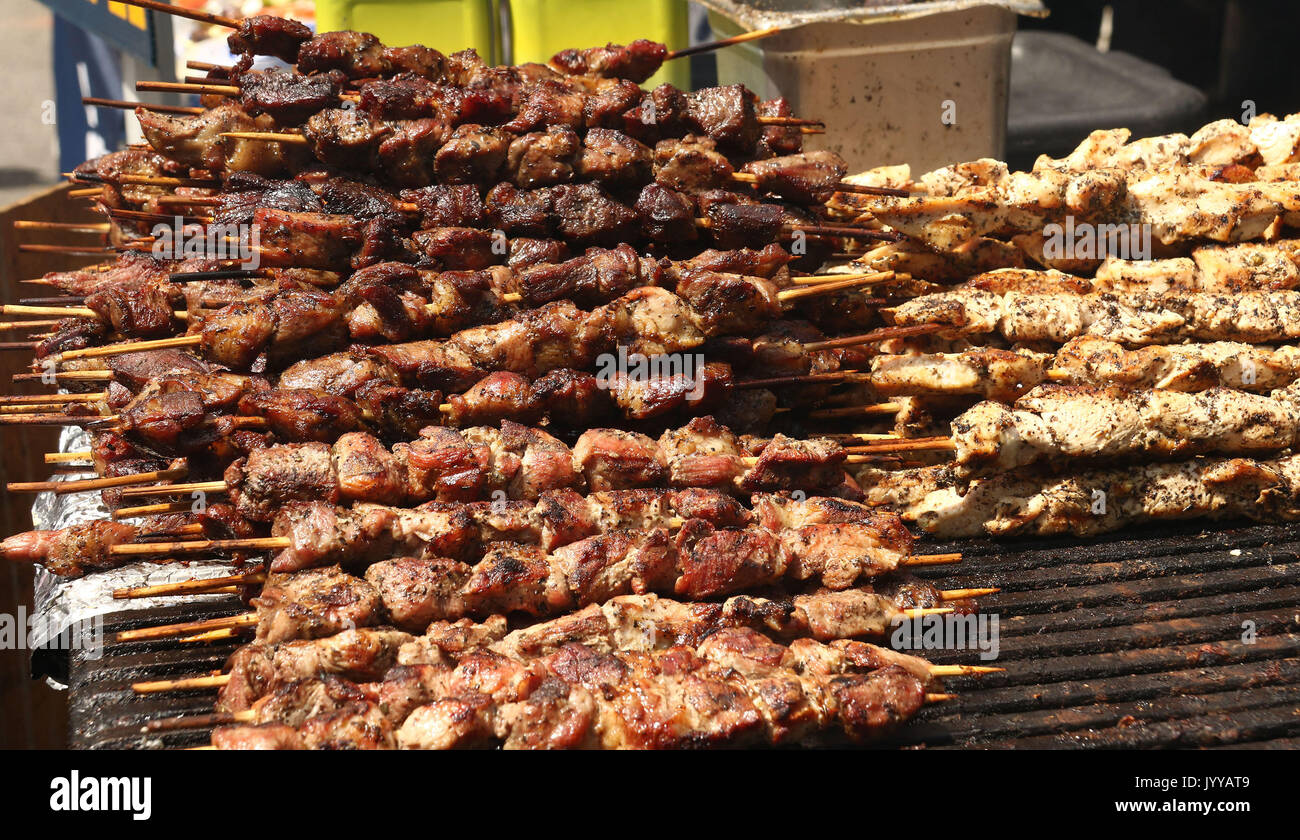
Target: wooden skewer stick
<point x="64" y="487"/>
<point x="65" y="457"/>
<point x="211" y="635"/>
<point x="1058" y="375"/>
<point x="199" y="546"/>
<point x="752" y="35"/>
<point x="962" y="594"/>
<point x="131" y="347"/>
<point x="171" y="489"/>
<point x="806" y="378"/>
<point x="833" y="286"/>
<point x="66" y="249"/>
<point x="169" y="9"/>
<point x="963" y="670"/>
<point x="916" y="445"/>
<point x="215" y="680"/>
<point x="267" y="136"/>
<point x="39" y="408"/>
<point x="28" y="325"/>
<point x="191" y="586"/>
<point x="84" y="192"/>
<point x="882" y="334"/>
<point x="70" y="227"/>
<point x="814" y="279"/>
<point x="167" y="631"/>
<point x="55" y="419"/>
<point x="150" y="510"/>
<point x="127" y="104"/>
<point x="67" y="376"/>
<point x="61" y="311"/>
<point x="932" y="559"/>
<point x="26" y="399"/>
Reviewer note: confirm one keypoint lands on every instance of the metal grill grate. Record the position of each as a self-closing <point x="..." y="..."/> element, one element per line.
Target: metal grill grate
<point x="1117" y="642"/>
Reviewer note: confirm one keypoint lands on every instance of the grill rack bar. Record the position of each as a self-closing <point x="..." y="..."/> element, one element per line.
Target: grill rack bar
<point x="1114" y="642"/>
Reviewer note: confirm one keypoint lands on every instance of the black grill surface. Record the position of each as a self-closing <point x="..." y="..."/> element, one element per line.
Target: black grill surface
<point x="1117" y="642"/>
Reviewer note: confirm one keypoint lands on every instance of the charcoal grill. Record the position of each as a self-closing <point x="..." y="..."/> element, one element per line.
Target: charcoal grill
<point x="1119" y="641"/>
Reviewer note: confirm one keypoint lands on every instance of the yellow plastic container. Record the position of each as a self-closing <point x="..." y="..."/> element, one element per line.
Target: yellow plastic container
<point x="541" y="28"/>
<point x="446" y="25"/>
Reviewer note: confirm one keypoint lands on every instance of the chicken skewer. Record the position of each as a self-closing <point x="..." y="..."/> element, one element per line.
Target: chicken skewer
<point x="1092" y="501"/>
<point x="1059" y="423"/>
<point x="1131" y="319"/>
<point x="1178" y="207"/>
<point x="1007" y="375"/>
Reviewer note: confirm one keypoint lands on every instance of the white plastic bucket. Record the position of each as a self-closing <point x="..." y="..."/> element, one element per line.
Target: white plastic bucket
<point x="925" y="90"/>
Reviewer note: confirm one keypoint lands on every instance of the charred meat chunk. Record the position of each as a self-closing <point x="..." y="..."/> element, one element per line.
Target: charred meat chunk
<point x="543" y="158"/>
<point x="473" y="154"/>
<point x="269" y="35"/>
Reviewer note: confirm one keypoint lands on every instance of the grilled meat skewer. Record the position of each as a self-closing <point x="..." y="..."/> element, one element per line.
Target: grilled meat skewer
<point x="1091" y="502"/>
<point x="847" y="687"/>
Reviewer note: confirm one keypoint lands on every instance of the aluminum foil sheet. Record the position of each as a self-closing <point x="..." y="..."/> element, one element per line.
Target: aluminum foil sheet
<point x="61" y="604"/>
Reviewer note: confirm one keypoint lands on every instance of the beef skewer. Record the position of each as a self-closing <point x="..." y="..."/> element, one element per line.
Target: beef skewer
<point x="850" y="688"/>
<point x="512" y="577"/>
<point x="368" y="653"/>
<point x="521" y="463"/>
<point x="363" y="55"/>
<point x="323" y="602"/>
<point x="650" y="321"/>
<point x="386" y="301"/>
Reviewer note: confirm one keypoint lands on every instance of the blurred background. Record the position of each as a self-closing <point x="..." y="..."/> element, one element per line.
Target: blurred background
<point x="1021" y="85"/>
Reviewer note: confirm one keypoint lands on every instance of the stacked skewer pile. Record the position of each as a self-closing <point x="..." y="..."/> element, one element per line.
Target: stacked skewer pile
<point x="496" y="365"/>
<point x="442" y="376"/>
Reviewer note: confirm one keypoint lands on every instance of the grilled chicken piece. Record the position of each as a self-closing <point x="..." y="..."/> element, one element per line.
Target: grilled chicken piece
<point x="1060" y="422"/>
<point x="1017" y="504"/>
<point x="1180" y="367"/>
<point x="1132" y="319"/>
<point x="992" y="374"/>
<point x="356" y="654"/>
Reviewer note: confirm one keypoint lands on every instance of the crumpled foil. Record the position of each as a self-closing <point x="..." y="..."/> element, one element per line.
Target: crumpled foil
<point x="61" y="603"/>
